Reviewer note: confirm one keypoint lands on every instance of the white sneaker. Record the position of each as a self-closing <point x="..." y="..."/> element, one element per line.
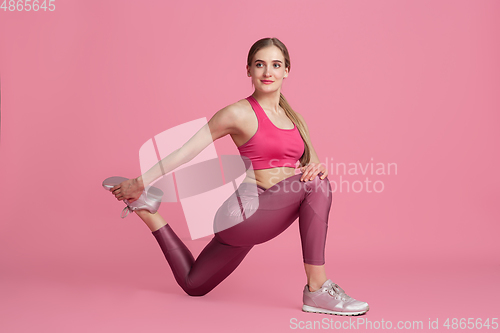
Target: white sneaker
<point x="331" y="299"/>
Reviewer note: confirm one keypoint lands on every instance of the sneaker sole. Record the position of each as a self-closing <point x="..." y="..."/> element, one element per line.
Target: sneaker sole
<point x="308" y="308"/>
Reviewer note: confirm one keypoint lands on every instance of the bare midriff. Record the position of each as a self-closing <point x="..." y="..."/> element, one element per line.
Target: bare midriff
<point x="266" y="178"/>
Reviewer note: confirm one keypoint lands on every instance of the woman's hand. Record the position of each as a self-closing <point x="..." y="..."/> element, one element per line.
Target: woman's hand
<point x="130" y="189"/>
<point x="312" y="170"/>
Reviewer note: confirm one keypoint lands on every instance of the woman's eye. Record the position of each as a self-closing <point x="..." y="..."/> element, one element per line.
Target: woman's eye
<point x="276" y="65"/>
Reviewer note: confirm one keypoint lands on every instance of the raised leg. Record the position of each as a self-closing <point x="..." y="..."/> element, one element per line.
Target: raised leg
<point x="200" y="276"/>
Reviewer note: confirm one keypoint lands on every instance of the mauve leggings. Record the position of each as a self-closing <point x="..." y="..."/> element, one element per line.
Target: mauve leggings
<point x="250" y="216"/>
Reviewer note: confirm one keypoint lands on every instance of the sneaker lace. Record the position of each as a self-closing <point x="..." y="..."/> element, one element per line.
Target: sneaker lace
<point x="123" y="211"/>
<point x="337" y="292"/>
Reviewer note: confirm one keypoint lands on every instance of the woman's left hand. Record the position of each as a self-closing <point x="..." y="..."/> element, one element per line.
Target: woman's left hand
<point x="312" y="170"/>
<point x="129" y="189"/>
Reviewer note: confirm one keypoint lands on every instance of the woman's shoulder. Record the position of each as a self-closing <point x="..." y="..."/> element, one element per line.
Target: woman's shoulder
<point x="240" y="106"/>
<point x="233" y="118"/>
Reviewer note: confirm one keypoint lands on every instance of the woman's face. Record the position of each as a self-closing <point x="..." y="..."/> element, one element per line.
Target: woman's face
<point x="268" y="69"/>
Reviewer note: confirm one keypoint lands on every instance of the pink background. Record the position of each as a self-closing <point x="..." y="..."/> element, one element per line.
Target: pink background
<point x="409" y="82"/>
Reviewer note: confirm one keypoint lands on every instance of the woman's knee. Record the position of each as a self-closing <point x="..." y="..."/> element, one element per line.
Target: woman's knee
<point x="197" y="293"/>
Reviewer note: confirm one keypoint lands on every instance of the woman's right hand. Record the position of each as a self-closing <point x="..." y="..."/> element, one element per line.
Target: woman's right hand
<point x="130" y="189"/>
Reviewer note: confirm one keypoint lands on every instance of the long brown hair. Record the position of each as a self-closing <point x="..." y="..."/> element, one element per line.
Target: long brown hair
<point x="265" y="42"/>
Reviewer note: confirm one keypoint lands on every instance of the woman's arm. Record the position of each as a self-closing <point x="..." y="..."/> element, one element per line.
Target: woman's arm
<point x="223" y="122"/>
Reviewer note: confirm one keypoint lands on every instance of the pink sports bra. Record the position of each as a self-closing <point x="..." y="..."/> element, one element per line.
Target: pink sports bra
<point x="270" y="146"/>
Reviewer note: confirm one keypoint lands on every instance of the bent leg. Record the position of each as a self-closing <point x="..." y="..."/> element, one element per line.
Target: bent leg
<point x="200" y="276"/>
<point x="313" y="220"/>
<point x="266" y="215"/>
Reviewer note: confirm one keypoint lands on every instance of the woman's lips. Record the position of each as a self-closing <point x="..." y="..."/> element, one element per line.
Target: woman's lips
<point x="266" y="82"/>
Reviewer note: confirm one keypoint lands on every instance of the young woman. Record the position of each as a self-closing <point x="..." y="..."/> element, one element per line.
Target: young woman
<point x="273" y="137"/>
